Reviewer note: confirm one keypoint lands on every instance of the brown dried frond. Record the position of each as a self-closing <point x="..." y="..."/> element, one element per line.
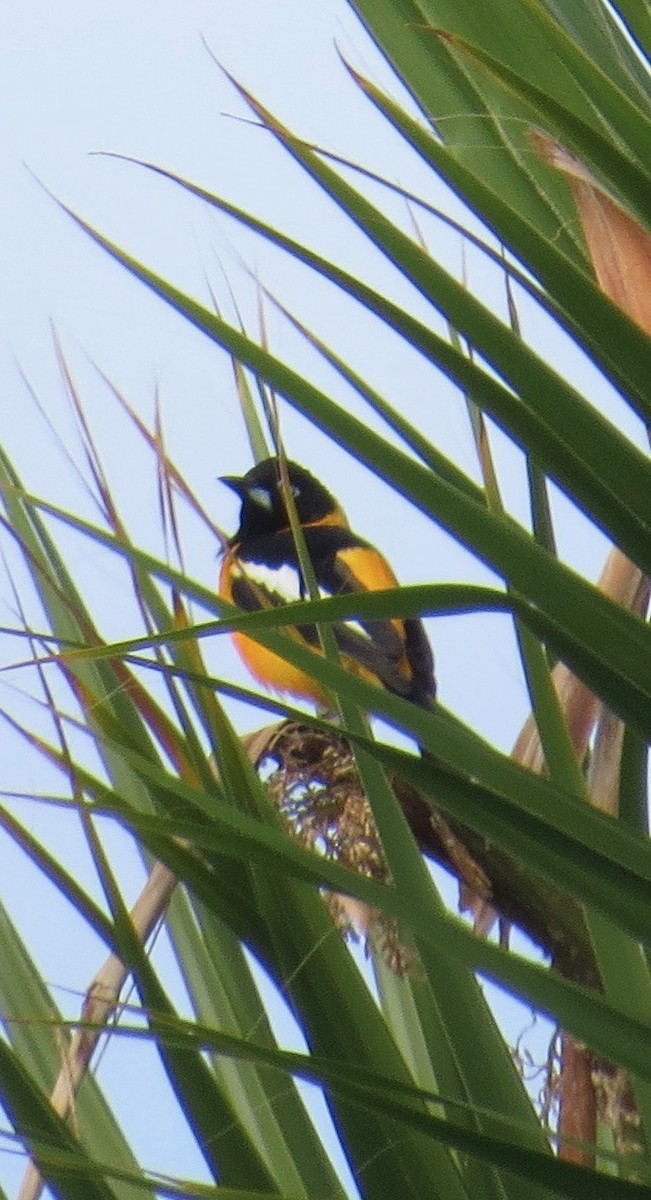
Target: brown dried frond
<point x="617" y="1108"/>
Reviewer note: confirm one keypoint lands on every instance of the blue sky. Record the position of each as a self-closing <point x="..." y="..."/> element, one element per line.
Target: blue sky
<point x="137" y="79"/>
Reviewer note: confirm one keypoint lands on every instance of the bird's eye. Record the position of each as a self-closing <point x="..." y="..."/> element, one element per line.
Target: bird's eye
<point x="296" y="491"/>
<point x="261" y="496"/>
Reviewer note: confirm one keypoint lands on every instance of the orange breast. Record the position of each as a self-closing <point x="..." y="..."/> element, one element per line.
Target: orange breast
<point x="268" y="668"/>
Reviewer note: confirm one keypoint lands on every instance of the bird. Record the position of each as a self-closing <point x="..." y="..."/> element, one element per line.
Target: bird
<point x="261" y="570"/>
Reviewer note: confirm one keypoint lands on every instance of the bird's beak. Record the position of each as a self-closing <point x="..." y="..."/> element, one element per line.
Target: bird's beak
<point x="235" y="483"/>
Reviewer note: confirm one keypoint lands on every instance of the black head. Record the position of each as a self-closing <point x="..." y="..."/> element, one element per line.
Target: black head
<point x="263" y="505"/>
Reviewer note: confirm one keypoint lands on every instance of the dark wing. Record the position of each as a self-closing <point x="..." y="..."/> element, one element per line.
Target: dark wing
<point x="397" y="653"/>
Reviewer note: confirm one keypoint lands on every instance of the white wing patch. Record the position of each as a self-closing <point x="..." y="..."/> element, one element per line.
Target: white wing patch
<point x="279" y="581"/>
<point x="285" y="582"/>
